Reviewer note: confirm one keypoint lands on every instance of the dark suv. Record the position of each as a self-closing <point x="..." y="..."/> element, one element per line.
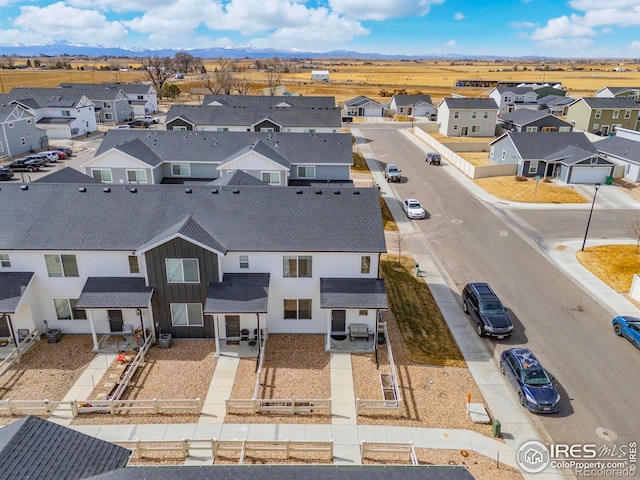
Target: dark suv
<point x="433" y="158"/>
<point x="24" y="164"/>
<point x="486" y="309"/>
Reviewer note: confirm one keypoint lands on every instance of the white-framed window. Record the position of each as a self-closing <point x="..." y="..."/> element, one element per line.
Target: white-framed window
<point x="4" y="260"/>
<point x="294" y="266"/>
<point x="267" y="129"/>
<point x="222" y="129"/>
<point x="475" y="128"/>
<point x="272" y="178"/>
<point x="134" y="266"/>
<point x="363" y="313"/>
<point x="137" y="176"/>
<point x="180" y="169"/>
<point x="102" y="174"/>
<point x="66" y="113"/>
<point x="297" y="309"/>
<point x="108" y="116"/>
<point x="616" y="114"/>
<point x="61" y="265"/>
<point x="596" y="126"/>
<point x="456" y="114"/>
<point x="627" y="114"/>
<point x="107" y="105"/>
<point x="485" y="115"/>
<point x="474" y="114"/>
<point x="307" y="172"/>
<point x="179" y="128"/>
<point x="532" y="129"/>
<point x="186" y="315"/>
<point x="533" y="167"/>
<point x="492" y="151"/>
<point x="598" y="113"/>
<point x="365" y="264"/>
<point x="504" y="155"/>
<point x="244" y="261"/>
<point x="66" y="309"/>
<point x="564" y="129"/>
<point x="140" y="97"/>
<point x="182" y="270"/>
<point x="23" y="141"/>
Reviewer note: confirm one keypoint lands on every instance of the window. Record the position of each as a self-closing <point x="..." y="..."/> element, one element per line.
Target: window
<point x="533" y="168"/>
<point x="475" y="128"/>
<point x="627" y="114"/>
<point x="616" y="113"/>
<point x="180" y="170"/>
<point x="456" y="114"/>
<point x="4" y="260"/>
<point x="313" y="130"/>
<point x="2" y="146"/>
<point x="504" y="155"/>
<point x="299" y="309"/>
<point x="474" y="114"/>
<point x="564" y="129"/>
<point x="598" y="113"/>
<point x="136" y="176"/>
<point x="186" y="315"/>
<point x="222" y="129"/>
<point x="363" y="313"/>
<point x="306" y="172"/>
<point x="182" y="270"/>
<point x="491" y="151"/>
<point x="66" y="309"/>
<point x="365" y="264"/>
<point x="107" y="105"/>
<point x="61" y="265"/>
<point x="179" y="128"/>
<point x="140" y="97"/>
<point x="267" y="129"/>
<point x="485" y="115"/>
<point x="66" y="113"/>
<point x="532" y="129"/>
<point x="134" y="267"/>
<point x="108" y="116"/>
<point x="102" y="174"/>
<point x="244" y="261"/>
<point x="272" y="178"/>
<point x="596" y="126"/>
<point x="294" y="267"/>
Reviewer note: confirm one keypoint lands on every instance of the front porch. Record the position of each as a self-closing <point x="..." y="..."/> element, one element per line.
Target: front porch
<point x="346" y="344"/>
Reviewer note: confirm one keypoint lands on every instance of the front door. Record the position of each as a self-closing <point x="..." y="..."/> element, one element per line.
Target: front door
<point x="4" y="327"/>
<point x="464" y="131"/>
<point x="115" y="320"/>
<point x="338" y="321"/>
<point x="232" y="326"/>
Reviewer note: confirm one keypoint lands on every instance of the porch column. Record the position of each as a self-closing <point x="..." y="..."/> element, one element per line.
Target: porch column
<point x="94" y="336"/>
<point x="328" y="336"/>
<point x="216" y="334"/>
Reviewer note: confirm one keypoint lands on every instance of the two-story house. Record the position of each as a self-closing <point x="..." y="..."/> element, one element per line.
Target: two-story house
<point x="60" y="112"/>
<point x="138" y="156"/>
<point x="509" y="99"/>
<point x="18" y="132"/>
<point x="195" y="262"/>
<point x="412" y="105"/>
<point x="110" y="101"/>
<point x="619" y="92"/>
<point x="231" y="118"/>
<point x="472" y="117"/>
<point x="603" y="115"/>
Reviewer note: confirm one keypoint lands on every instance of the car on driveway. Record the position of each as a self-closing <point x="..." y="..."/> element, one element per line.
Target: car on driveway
<point x="391" y="173"/>
<point x="627" y="327"/>
<point x="433" y="158"/>
<point x="23" y="164"/>
<point x="6" y="173"/>
<point x="412" y="208"/>
<point x="486" y="309"/>
<point x="533" y="385"/>
<point x="138" y="123"/>
<point x="66" y="150"/>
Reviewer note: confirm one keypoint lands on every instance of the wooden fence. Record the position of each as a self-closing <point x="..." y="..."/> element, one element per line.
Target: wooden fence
<point x="280" y="405"/>
<point x="131" y="369"/>
<point x="17" y="353"/>
<point x="367" y="448"/>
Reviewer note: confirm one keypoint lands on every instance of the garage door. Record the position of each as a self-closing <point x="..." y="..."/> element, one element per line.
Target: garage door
<point x="589" y="174"/>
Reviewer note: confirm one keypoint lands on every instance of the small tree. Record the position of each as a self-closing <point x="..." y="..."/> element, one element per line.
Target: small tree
<point x="633" y="231"/>
<point x="157" y="70"/>
<point x="401" y="243"/>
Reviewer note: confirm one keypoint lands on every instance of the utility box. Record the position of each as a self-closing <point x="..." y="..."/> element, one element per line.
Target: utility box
<point x="165" y="340"/>
<point x="54" y="335"/>
<point x="496" y="428"/>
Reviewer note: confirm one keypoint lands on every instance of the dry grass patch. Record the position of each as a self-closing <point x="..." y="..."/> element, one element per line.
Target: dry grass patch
<point x="477" y="159"/>
<point x="444" y="139"/>
<point x="388" y="221"/>
<point x="508" y="188"/>
<point x="615" y="265"/>
<point x="359" y="163"/>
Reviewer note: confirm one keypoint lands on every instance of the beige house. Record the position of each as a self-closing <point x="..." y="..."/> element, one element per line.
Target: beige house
<point x="603" y="115"/>
<point x="467" y="117"/>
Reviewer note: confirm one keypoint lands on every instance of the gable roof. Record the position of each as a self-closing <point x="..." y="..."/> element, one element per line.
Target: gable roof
<point x="238" y="177"/>
<point x="540" y="145"/>
<point x="524" y="116"/>
<point x="66" y="175"/>
<point x="609" y="103"/>
<point x="12" y="287"/>
<point x="242" y="218"/>
<point x="470" y="103"/>
<point x="515" y="90"/>
<point x="95" y="91"/>
<point x="623" y="148"/>
<point x="46" y="97"/>
<point x="40" y="450"/>
<point x="224" y="115"/>
<point x="267" y="101"/>
<point x="552" y="100"/>
<point x="360" y="101"/>
<point x="402" y="100"/>
<point x="618" y="90"/>
<point x="7" y="110"/>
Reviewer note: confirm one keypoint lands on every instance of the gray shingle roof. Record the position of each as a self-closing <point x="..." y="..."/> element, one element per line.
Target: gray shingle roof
<point x="539" y="145"/>
<point x="515" y="90"/>
<point x="12" y="287"/>
<point x="552" y="100"/>
<point x="471" y="103"/>
<point x="238" y="177"/>
<point x="610" y="103"/>
<point x="291" y="472"/>
<point x="6" y="110"/>
<point x="47" y="97"/>
<point x="238" y="293"/>
<point x="524" y="116"/>
<point x="94" y="91"/>
<point x="359" y="101"/>
<point x="115" y="292"/>
<point x="408" y="100"/>
<point x="353" y="293"/>
<point x="623" y="148"/>
<point x="155" y="147"/>
<point x="66" y="175"/>
<point x="231" y="115"/>
<point x="272" y="101"/>
<point x="243" y="218"/>
<point x="569" y="155"/>
<point x="263" y="149"/>
<point x="35" y="449"/>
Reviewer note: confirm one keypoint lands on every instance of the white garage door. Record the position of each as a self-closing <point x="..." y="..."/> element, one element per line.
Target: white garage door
<point x="589" y="174"/>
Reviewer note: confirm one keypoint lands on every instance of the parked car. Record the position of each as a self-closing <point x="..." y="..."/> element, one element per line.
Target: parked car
<point x="66" y="150"/>
<point x="627" y="327"/>
<point x="61" y="155"/>
<point x="486" y="309"/>
<point x="433" y="158"/>
<point x="41" y="159"/>
<point x="412" y="208"/>
<point x="532" y="383"/>
<point x="22" y="164"/>
<point x="50" y="155"/>
<point x="149" y="119"/>
<point x="6" y="173"/>
<point x="391" y="173"/>
<point x="137" y="123"/>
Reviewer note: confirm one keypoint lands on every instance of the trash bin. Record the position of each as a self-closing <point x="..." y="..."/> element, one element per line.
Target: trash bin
<point x="54" y="335"/>
<point x="609" y="181"/>
<point x="165" y="340"/>
<point x="496" y="428"/>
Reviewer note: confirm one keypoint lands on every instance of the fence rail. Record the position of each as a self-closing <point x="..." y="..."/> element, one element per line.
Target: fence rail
<point x="132" y="368"/>
<point x="17" y="353"/>
<point x="280" y="405"/>
<point x="367" y="448"/>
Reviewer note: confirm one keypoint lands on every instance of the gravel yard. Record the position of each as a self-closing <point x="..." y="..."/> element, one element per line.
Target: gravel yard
<point x="183" y="371"/>
<point x="48" y="370"/>
<point x="295" y="366"/>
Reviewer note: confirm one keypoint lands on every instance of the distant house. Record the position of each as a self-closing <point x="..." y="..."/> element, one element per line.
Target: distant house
<point x="142" y="98"/>
<point x="467" y="117"/>
<point x="110" y="102"/>
<point x="362" y="106"/>
<point x="60" y="112"/>
<point x="412" y="105"/>
<point x="619" y="92"/>
<point x="18" y="132"/>
<point x="269" y="101"/>
<point x="555" y="104"/>
<point x="570" y="157"/>
<point x="525" y="120"/>
<point x="624" y="152"/>
<point x="320" y="75"/>
<point x="510" y="98"/>
<point x="603" y="115"/>
<point x="231" y="118"/>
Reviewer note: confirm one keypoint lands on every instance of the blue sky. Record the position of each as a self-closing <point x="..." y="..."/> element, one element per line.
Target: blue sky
<point x="574" y="28"/>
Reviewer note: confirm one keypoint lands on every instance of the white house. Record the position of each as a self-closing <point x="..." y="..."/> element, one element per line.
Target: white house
<point x="320" y="75"/>
<point x="362" y="106"/>
<point x="510" y="98"/>
<point x="462" y="117"/>
<point x="412" y="105"/>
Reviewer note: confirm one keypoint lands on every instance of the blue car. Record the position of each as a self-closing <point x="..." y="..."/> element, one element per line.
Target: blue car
<point x="532" y="383"/>
<point x="628" y="327"/>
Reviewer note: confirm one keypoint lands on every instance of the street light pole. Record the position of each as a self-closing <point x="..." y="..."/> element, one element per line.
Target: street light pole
<point x="597" y="186"/>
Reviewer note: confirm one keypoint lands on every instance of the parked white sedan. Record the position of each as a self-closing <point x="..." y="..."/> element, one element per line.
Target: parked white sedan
<point x="412" y="208"/>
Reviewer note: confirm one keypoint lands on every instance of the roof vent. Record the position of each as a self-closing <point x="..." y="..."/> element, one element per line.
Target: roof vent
<point x="214" y="191"/>
<point x="337" y="192"/>
<point x="236" y="191"/>
<point x="24" y="187"/>
<point x="318" y="192"/>
<point x="188" y="190"/>
<point x="356" y="192"/>
<point x="82" y="189"/>
<point x="106" y="189"/>
<point x="299" y="192"/>
<point x="133" y="190"/>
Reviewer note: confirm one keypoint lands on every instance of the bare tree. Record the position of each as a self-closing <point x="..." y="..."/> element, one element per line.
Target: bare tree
<point x="633" y="231"/>
<point x="223" y="76"/>
<point x="273" y="75"/>
<point x="241" y="85"/>
<point x="184" y="62"/>
<point x="157" y="70"/>
<point x="401" y="243"/>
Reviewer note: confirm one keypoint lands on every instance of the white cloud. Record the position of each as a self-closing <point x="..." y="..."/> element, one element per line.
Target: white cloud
<point x="563" y="27"/>
<point x="380" y="10"/>
<point x="451" y="43"/>
<point x="179" y="19"/>
<point x="587" y="5"/>
<point x="458" y="16"/>
<point x="565" y="43"/>
<point x="524" y="24"/>
<point x="61" y="22"/>
<point x="635" y="45"/>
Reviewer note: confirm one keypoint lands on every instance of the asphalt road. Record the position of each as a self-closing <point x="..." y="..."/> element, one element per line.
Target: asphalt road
<point x="596" y="372"/>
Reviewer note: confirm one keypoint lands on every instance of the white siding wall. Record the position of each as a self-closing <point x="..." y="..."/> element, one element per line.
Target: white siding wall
<point x="252" y="161"/>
